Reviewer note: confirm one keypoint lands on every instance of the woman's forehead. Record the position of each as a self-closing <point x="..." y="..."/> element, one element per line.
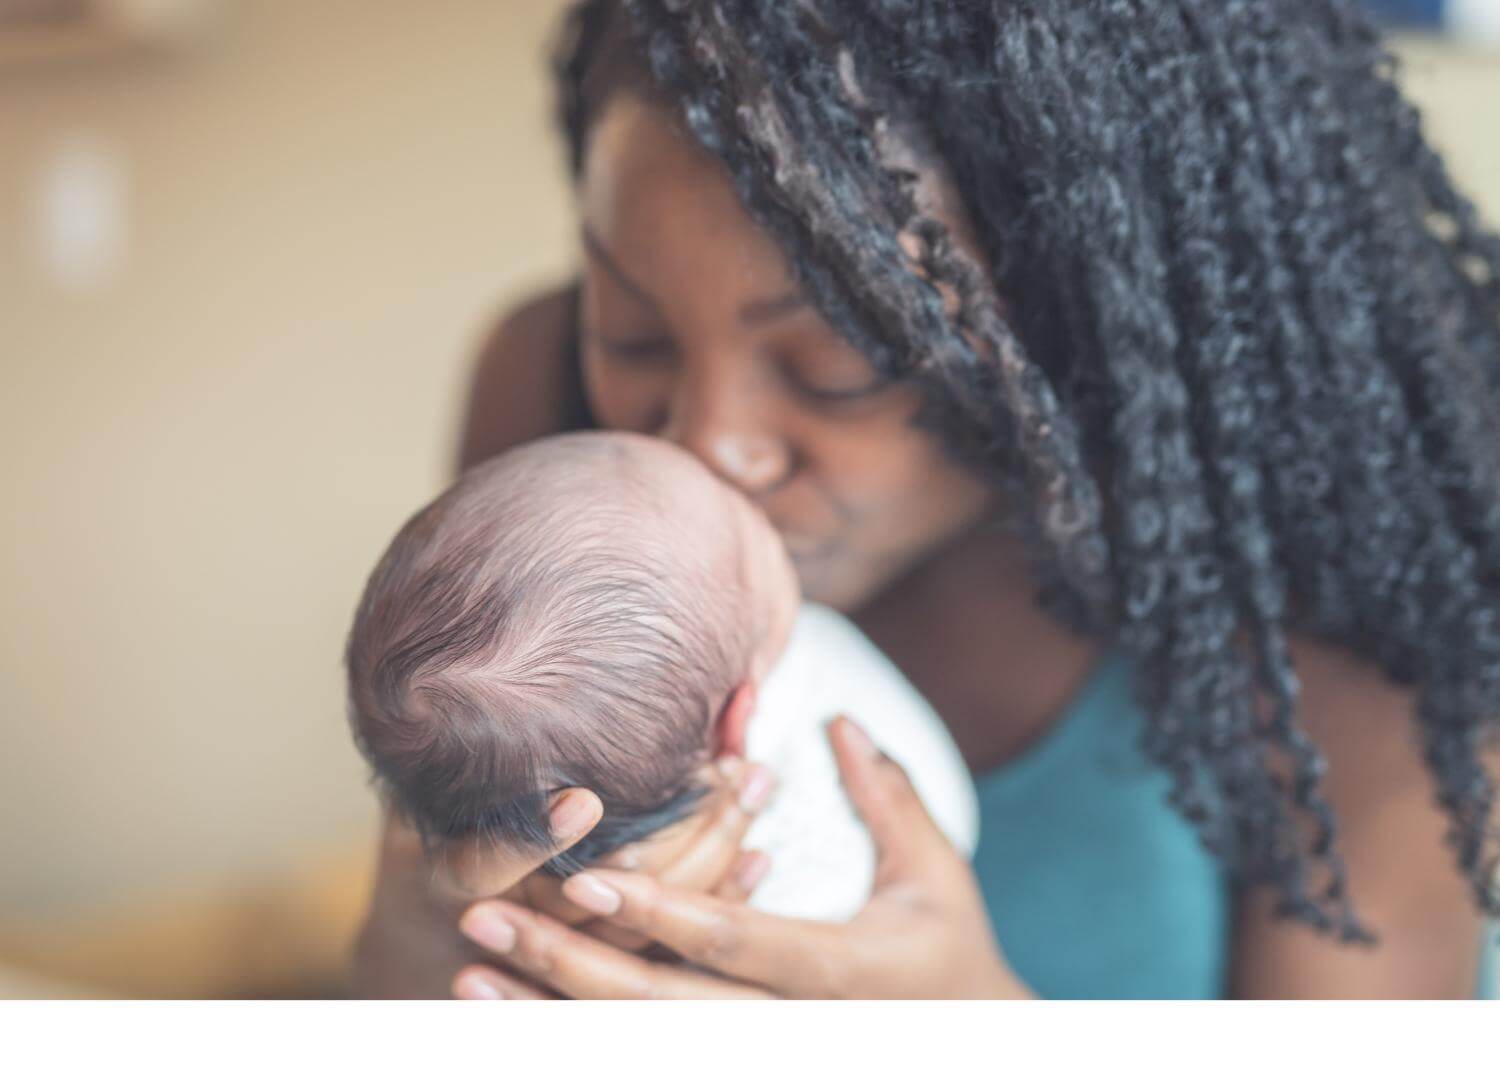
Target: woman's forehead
<point x="651" y="195"/>
<point x="661" y="212"/>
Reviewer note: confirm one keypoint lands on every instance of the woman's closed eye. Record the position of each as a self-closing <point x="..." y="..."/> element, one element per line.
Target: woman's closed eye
<point x="838" y="395"/>
<point x="646" y="350"/>
<point x="818" y="383"/>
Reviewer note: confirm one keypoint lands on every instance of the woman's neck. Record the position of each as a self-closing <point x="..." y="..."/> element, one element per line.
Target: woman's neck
<point x="966" y="629"/>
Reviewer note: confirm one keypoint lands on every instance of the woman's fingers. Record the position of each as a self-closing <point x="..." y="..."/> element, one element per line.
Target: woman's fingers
<point x="544" y="893"/>
<point x="787" y="956"/>
<point x="706" y="862"/>
<point x="736" y="886"/>
<point x="484" y="868"/>
<point x="712" y="860"/>
<point x="480" y="982"/>
<point x="907" y="841"/>
<point x="743" y="877"/>
<point x="580" y="966"/>
<point x="618" y="937"/>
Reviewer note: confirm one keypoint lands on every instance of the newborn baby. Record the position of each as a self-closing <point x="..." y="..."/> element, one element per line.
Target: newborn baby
<point x="598" y="610"/>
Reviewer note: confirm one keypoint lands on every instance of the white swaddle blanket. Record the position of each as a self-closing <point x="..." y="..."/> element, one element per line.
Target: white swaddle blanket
<point x="822" y="858"/>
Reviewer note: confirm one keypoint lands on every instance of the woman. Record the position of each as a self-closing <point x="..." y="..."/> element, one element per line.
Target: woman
<point x="1127" y="369"/>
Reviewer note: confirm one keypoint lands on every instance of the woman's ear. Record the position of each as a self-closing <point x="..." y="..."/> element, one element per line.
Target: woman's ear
<point x="734" y="721"/>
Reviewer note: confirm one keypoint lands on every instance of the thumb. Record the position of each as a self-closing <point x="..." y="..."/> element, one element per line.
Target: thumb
<point x="482" y="867"/>
<point x="907" y="841"/>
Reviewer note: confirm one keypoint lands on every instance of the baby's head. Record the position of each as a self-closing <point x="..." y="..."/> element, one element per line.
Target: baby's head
<point x="579" y="611"/>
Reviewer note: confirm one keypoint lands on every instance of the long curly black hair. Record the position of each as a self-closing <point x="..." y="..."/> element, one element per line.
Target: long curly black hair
<point x="1245" y="370"/>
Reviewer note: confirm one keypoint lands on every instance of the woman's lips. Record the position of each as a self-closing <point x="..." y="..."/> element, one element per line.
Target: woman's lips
<point x="803" y="545"/>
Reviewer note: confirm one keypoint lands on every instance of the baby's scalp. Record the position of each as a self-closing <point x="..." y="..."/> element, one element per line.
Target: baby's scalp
<point x="569" y="613"/>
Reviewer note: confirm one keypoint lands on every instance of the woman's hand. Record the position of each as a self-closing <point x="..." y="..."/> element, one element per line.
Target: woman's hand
<point x="708" y="859"/>
<point x="924" y="932"/>
<point x="409" y="945"/>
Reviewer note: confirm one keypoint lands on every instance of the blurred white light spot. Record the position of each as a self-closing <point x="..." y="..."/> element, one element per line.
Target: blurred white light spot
<point x="1474" y="21"/>
<point x="80" y="212"/>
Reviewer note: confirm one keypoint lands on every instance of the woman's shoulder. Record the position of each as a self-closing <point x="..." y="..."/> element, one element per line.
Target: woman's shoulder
<point x="525" y="382"/>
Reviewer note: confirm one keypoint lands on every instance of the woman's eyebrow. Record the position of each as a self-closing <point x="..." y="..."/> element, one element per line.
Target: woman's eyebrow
<point x="756" y="314"/>
<point x="595" y="249"/>
<point x="752" y="314"/>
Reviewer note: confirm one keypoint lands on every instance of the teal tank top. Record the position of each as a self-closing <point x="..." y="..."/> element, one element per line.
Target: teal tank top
<point x="1095" y="886"/>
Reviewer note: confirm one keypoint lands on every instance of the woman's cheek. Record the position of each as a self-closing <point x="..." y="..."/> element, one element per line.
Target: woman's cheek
<point x="908" y="492"/>
<point x="624" y="401"/>
<point x="876" y="463"/>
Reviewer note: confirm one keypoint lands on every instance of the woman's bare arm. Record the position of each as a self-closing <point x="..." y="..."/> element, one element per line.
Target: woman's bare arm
<point x="523" y="388"/>
<point x="1402" y="876"/>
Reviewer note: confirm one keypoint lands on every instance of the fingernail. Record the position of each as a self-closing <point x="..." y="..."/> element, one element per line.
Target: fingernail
<point x="586" y="891"/>
<point x="756" y="789"/>
<point x="477" y="988"/>
<point x="730" y="766"/>
<point x="751" y="868"/>
<point x="859" y="738"/>
<point x="571" y="815"/>
<point x="486" y="926"/>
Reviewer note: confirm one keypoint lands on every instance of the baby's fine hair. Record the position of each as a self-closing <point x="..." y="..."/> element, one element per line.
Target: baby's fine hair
<point x="546" y="623"/>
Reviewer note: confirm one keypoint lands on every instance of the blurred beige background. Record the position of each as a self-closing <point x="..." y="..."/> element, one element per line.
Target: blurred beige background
<point x="242" y="278"/>
<point x="206" y="440"/>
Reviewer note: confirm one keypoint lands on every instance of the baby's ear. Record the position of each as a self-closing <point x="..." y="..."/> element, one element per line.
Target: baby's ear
<point x="734" y="721"/>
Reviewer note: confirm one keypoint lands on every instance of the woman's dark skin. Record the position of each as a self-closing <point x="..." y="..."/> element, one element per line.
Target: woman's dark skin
<point x="690" y="328"/>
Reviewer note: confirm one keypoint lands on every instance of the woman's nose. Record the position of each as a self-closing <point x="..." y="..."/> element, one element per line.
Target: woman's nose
<point x="720" y="427"/>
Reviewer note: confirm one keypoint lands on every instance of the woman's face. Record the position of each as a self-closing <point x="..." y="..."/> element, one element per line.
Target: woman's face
<point x="693" y="329"/>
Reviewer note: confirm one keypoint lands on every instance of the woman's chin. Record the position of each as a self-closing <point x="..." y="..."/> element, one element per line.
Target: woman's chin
<point x="831" y="581"/>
